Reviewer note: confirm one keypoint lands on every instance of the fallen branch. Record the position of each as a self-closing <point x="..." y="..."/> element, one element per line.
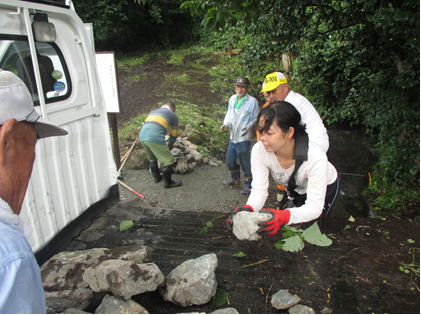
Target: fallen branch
<point x="345" y="255"/>
<point x="259" y="262"/>
<point x="257" y="246"/>
<point x="267" y="295"/>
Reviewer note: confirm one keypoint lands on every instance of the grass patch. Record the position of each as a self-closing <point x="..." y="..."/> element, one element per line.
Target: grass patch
<point x="133" y="60"/>
<point x="184" y="78"/>
<point x="204" y="119"/>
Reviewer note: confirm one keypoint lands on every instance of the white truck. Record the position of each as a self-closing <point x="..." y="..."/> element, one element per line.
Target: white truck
<point x="47" y="45"/>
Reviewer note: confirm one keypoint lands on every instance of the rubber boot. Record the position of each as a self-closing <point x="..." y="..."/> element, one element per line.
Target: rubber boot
<point x="235" y="179"/>
<point x="155" y="171"/>
<point x="166" y="173"/>
<point x="247" y="184"/>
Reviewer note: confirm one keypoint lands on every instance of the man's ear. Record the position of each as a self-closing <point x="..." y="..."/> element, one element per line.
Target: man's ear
<point x="5" y="130"/>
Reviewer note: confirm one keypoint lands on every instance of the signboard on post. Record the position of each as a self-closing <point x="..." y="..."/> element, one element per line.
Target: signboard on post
<point x="106" y="65"/>
<point x="108" y="76"/>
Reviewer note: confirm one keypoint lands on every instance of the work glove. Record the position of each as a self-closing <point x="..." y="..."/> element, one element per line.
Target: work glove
<point x="270" y="227"/>
<point x="245" y="130"/>
<point x="238" y="209"/>
<point x="224" y="128"/>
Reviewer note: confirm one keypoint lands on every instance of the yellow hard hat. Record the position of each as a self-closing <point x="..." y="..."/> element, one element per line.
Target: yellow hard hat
<point x="272" y="81"/>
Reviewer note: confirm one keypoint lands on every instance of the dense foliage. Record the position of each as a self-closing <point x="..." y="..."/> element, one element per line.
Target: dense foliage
<point x="357" y="61"/>
<point x="127" y="25"/>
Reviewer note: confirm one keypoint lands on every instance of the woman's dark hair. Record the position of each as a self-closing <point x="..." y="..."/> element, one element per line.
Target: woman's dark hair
<point x="284" y="114"/>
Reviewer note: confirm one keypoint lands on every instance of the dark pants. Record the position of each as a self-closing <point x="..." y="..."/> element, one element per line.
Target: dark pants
<point x="241" y="151"/>
<point x="332" y="193"/>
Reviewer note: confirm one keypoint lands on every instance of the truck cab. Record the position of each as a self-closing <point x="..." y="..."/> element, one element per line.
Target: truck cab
<point x="47" y="45"/>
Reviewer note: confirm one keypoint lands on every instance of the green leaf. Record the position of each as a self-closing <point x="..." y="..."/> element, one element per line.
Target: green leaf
<point x="204" y="230"/>
<point x="347" y="227"/>
<point x="127" y="224"/>
<point x="314" y="236"/>
<point x="410" y="241"/>
<point x="220" y="297"/>
<point x="239" y="254"/>
<point x="293" y="229"/>
<point x="351" y="219"/>
<point x="293" y="244"/>
<point x="279" y="244"/>
<point x="209" y="224"/>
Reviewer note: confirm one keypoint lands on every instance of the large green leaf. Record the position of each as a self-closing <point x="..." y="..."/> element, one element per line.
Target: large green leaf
<point x="293" y="244"/>
<point x="314" y="236"/>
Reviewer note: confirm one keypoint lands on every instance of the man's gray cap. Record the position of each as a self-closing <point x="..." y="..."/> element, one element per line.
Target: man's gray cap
<point x="16" y="102"/>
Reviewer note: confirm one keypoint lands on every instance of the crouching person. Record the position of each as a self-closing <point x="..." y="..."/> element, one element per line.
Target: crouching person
<point x="300" y="165"/>
<point x="152" y="137"/>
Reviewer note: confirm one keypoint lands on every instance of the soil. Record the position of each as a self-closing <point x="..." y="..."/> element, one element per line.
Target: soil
<point x="358" y="273"/>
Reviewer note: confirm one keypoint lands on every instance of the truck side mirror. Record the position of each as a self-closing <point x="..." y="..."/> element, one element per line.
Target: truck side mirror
<point x="44" y="31"/>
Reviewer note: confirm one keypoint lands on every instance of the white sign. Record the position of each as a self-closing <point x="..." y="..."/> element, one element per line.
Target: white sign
<point x="107" y="74"/>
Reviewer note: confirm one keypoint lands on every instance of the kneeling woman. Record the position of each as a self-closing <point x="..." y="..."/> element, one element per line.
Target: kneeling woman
<point x="282" y="140"/>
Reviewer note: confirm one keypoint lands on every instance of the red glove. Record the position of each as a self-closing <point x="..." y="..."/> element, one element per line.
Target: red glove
<point x="238" y="209"/>
<point x="270" y="227"/>
<point x="170" y="146"/>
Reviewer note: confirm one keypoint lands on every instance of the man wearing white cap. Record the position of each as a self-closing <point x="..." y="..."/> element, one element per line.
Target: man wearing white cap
<point x="21" y="289"/>
<point x="277" y="89"/>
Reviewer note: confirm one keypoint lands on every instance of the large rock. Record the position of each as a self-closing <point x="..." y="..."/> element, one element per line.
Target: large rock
<point x="113" y="305"/>
<point x="185" y="164"/>
<point x="192" y="283"/>
<point x="196" y="137"/>
<point x="124" y="278"/>
<point x="283" y="300"/>
<point x="186" y="156"/>
<point x="65" y="270"/>
<point x="301" y="309"/>
<point x="62" y="300"/>
<point x="245" y="224"/>
<point x="228" y="310"/>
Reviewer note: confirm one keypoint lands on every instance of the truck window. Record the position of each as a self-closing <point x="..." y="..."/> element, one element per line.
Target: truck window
<point x="15" y="57"/>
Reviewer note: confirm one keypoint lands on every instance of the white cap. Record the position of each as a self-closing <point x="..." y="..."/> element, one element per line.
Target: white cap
<point x="16" y="102"/>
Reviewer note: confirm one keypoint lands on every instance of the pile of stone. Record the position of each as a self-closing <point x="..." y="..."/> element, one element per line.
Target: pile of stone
<point x="106" y="280"/>
<point x="74" y="281"/>
<point x="185" y="153"/>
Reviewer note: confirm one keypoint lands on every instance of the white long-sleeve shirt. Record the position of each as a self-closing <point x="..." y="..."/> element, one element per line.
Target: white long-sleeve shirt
<point x="315" y="128"/>
<point x="312" y="178"/>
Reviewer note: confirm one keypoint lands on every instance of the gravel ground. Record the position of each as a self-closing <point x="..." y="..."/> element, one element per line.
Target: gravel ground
<point x="201" y="190"/>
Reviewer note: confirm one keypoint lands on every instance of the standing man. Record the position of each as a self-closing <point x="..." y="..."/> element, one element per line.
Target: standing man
<point x="21" y="288"/>
<point x="152" y="137"/>
<point x="241" y="114"/>
<point x="275" y="87"/>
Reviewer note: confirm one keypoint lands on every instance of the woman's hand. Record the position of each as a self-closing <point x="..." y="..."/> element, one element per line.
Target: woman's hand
<point x="270" y="227"/>
<point x="238" y="209"/>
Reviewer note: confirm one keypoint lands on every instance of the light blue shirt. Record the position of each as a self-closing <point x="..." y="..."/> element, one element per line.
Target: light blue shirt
<point x="21" y="288"/>
<point x="245" y="116"/>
